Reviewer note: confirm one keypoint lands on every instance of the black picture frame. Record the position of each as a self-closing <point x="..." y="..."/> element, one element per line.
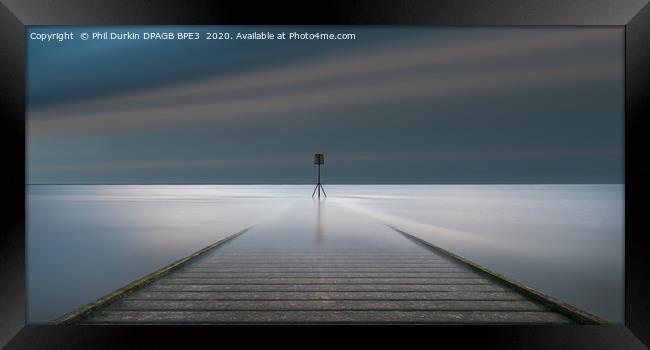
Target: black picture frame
<point x="633" y="15"/>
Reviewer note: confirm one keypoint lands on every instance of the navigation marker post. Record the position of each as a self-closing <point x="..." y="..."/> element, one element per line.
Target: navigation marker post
<point x="319" y="159"/>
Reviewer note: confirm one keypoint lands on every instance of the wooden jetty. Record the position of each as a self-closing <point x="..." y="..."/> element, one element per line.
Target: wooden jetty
<point x="398" y="279"/>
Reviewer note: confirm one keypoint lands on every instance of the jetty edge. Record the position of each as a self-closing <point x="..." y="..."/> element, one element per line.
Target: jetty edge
<point x="83" y="311"/>
<point x="577" y="315"/>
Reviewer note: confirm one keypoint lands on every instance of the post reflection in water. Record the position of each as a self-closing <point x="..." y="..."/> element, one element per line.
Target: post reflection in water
<point x="319" y="226"/>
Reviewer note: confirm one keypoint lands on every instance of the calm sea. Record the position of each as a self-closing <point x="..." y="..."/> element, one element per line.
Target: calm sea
<point x="86" y="241"/>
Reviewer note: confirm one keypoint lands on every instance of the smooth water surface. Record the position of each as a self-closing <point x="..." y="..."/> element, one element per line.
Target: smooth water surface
<point x="86" y="241"/>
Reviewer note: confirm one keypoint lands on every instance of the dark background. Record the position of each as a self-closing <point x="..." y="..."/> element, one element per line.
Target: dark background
<point x="334" y="12"/>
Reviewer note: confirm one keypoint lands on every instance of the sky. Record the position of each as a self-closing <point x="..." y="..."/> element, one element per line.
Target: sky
<point x="400" y="105"/>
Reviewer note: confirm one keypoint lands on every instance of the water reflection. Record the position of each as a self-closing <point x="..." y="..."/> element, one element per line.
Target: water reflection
<point x="327" y="225"/>
<point x="319" y="225"/>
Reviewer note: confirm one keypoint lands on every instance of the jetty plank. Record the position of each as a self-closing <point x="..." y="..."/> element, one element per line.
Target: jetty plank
<point x="324" y="287"/>
<point x="218" y="305"/>
<point x="337" y="281"/>
<point x="313" y="316"/>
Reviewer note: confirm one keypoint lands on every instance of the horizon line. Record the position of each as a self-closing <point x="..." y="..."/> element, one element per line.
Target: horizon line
<point x="331" y="184"/>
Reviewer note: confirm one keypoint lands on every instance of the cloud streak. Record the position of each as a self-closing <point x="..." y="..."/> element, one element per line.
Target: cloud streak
<point x="219" y="127"/>
<point x="205" y="100"/>
<point x="393" y="57"/>
<point x="329" y="97"/>
<point x="332" y="159"/>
